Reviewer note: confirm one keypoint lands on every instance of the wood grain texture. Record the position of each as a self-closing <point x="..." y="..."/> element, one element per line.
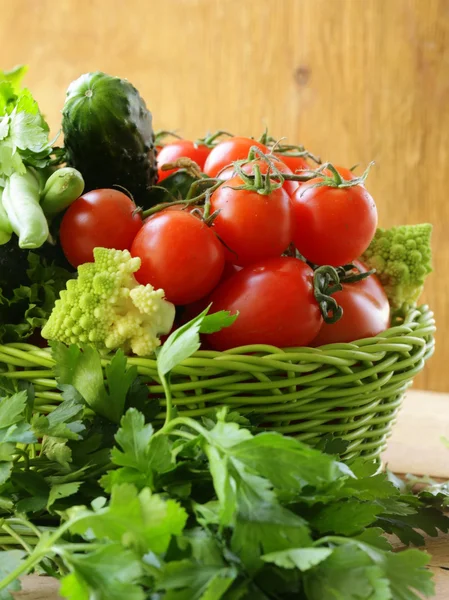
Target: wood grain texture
<point x="416" y="445"/>
<point x="353" y="80"/>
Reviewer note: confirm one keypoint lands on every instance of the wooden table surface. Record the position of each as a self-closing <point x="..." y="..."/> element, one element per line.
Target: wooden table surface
<point x="415" y="447"/>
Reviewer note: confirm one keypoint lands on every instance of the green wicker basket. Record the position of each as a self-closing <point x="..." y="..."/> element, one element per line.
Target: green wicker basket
<point x="352" y="391"/>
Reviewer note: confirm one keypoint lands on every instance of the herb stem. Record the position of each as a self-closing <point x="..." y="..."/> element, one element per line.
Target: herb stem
<point x="35" y="557"/>
<point x="19" y="539"/>
<point x="169" y="400"/>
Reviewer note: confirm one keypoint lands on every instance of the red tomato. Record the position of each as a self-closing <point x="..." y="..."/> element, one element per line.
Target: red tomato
<point x="289" y="186"/>
<point x="366" y="312"/>
<point x="254" y="226"/>
<point x="179" y="149"/>
<point x="333" y="226"/>
<point x="229" y="270"/>
<point x="101" y="218"/>
<point x="194" y="309"/>
<point x="179" y="254"/>
<point x="294" y="163"/>
<point x="275" y="302"/>
<point x="227" y="152"/>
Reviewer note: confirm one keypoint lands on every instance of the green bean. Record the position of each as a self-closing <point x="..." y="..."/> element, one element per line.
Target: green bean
<point x="21" y="202"/>
<point x="5" y="225"/>
<point x="62" y="188"/>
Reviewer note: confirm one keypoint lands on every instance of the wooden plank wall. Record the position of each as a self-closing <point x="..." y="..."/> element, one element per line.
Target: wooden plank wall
<point x="353" y="80"/>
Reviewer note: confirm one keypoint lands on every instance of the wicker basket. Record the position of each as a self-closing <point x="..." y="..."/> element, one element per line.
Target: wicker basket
<point x="352" y="391"/>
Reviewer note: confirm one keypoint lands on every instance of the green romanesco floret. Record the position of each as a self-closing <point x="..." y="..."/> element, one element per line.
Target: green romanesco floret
<point x="105" y="306"/>
<point x="402" y="257"/>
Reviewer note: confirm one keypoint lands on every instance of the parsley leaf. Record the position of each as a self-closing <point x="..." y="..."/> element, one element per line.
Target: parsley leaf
<point x="62" y="490"/>
<point x="108" y="573"/>
<point x="141" y="454"/>
<point x="188" y="580"/>
<point x="298" y="558"/>
<point x="141" y="521"/>
<point x="82" y="369"/>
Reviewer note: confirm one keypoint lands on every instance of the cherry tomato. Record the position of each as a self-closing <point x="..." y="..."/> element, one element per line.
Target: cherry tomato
<point x="289" y="186"/>
<point x="179" y="149"/>
<point x="228" y="151"/>
<point x="294" y="163"/>
<point x="275" y="302"/>
<point x="252" y="225"/>
<point x="366" y="312"/>
<point x="179" y="254"/>
<point x="101" y="218"/>
<point x="333" y="226"/>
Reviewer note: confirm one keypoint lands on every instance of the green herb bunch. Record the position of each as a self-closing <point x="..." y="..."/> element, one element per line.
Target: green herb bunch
<point x="93" y="495"/>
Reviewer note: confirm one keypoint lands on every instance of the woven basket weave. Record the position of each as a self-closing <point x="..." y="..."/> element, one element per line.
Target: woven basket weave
<point x="352" y="391"/>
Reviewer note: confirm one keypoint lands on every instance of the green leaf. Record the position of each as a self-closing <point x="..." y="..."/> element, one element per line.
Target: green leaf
<point x="428" y="519"/>
<point x="31" y="482"/>
<point x="345" y="517"/>
<point x="31" y="505"/>
<point x="9" y="561"/>
<point x="228" y="434"/>
<point x="7" y="451"/>
<point x="8" y="96"/>
<point x="63" y="490"/>
<point x="19" y="432"/>
<point x="10" y="161"/>
<point x="298" y="558"/>
<point x="141" y="454"/>
<point x="13" y="427"/>
<point x="12" y="409"/>
<point x="25" y="142"/>
<point x="119" y="379"/>
<point x="205" y="547"/>
<point x="14" y="76"/>
<point x="81" y="368"/>
<point x="286" y="462"/>
<point x="183" y="342"/>
<point x="347" y="574"/>
<point x="217" y="321"/>
<point x="26" y="131"/>
<point x="134" y="438"/>
<point x="374" y="536"/>
<point x="263" y="528"/>
<point x="141" y="521"/>
<point x="58" y="451"/>
<point x="138" y="397"/>
<point x="408" y="575"/>
<point x="108" y="573"/>
<point x="369" y="487"/>
<point x="188" y="580"/>
<point x="5" y="471"/>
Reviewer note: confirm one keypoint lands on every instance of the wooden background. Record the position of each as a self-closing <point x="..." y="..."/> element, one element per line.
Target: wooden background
<point x="353" y="80"/>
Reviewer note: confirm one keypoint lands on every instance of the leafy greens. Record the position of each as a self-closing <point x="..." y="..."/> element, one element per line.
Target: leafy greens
<point x="92" y="494"/>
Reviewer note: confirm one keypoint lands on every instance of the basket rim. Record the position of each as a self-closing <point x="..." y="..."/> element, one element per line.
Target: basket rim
<point x="416" y="319"/>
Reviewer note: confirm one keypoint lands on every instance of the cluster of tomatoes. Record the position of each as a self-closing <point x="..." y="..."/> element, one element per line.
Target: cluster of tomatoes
<point x="252" y="243"/>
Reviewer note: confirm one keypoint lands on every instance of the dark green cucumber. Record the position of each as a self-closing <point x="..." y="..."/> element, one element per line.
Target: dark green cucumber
<point x="108" y="135"/>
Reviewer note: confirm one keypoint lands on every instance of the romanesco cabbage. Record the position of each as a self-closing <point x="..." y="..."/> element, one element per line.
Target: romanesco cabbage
<point x="106" y="307"/>
<point x="402" y="257"/>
